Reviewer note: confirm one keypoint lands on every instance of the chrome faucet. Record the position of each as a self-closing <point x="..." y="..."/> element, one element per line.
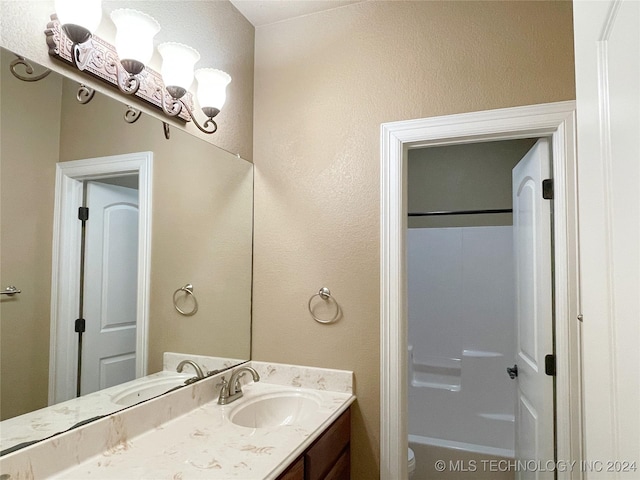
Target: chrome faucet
<point x="232" y="390"/>
<point x="195" y="366"/>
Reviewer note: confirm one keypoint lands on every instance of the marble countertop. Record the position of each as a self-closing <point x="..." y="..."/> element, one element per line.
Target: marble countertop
<point x="48" y="421"/>
<point x="185" y="434"/>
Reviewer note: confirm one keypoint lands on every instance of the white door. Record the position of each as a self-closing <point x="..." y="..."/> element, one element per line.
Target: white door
<point x="534" y="324"/>
<point x="607" y="47"/>
<point x="110" y="287"/>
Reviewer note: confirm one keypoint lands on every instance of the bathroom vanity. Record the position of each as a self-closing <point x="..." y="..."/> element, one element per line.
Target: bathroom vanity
<point x="293" y="423"/>
<point x="328" y="457"/>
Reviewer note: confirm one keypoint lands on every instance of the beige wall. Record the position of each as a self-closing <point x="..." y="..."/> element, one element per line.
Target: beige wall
<point x="28" y="152"/>
<point x="463" y="177"/>
<point x="201" y="226"/>
<point x="224" y="38"/>
<point x="324" y="84"/>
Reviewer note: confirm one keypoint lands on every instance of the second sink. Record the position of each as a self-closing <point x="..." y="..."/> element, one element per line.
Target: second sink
<point x="148" y="389"/>
<point x="275" y="409"/>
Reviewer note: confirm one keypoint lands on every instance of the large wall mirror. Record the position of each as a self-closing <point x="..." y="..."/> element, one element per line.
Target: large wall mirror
<point x="200" y="232"/>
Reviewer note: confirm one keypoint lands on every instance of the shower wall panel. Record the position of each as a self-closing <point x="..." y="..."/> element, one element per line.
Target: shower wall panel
<point x="462" y="335"/>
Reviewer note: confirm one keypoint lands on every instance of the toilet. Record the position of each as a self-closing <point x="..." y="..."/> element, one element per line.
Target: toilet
<point x="412" y="463"/>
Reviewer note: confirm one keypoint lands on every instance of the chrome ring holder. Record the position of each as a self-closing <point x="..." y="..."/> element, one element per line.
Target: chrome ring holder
<point x="188" y="289"/>
<point x="325" y="294"/>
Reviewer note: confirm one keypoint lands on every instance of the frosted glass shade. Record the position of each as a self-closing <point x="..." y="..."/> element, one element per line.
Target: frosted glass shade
<point x="81" y="13"/>
<point x="212" y="87"/>
<point x="177" y="65"/>
<point x="134" y="35"/>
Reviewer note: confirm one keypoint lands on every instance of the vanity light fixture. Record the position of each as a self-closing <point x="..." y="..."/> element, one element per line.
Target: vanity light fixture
<point x="177" y="73"/>
<point x="71" y="38"/>
<point x="79" y="18"/>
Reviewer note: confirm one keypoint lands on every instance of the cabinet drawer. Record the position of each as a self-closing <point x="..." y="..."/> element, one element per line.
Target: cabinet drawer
<point x="326" y="452"/>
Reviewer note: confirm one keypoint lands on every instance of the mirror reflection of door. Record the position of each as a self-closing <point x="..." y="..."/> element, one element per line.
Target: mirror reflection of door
<point x="107" y="347"/>
<point x="94" y="305"/>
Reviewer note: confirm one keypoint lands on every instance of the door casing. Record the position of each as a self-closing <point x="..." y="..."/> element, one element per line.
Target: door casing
<point x="65" y="281"/>
<point x="556" y="121"/>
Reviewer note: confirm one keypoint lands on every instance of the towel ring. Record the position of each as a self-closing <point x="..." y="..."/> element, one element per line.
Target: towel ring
<point x="325" y="294"/>
<point x="188" y="289"/>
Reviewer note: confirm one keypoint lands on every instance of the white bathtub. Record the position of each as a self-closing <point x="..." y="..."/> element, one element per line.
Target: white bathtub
<point x="461" y="446"/>
<point x="430" y="452"/>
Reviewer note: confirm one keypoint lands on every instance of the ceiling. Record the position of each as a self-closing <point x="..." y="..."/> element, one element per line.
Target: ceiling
<point x="264" y="12"/>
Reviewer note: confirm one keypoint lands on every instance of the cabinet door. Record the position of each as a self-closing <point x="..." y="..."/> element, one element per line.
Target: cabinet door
<point x="326" y="452"/>
<point x="295" y="471"/>
<point x="342" y="468"/>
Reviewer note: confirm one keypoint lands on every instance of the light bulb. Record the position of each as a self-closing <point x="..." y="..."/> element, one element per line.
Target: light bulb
<point x="177" y="67"/>
<point x="134" y="38"/>
<point x="79" y="18"/>
<point x="212" y="85"/>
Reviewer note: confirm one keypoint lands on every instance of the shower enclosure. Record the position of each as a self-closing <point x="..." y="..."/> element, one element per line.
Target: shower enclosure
<point x="461" y="338"/>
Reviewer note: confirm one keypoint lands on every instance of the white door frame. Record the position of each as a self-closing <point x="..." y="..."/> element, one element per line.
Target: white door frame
<point x="65" y="279"/>
<point x="555" y="121"/>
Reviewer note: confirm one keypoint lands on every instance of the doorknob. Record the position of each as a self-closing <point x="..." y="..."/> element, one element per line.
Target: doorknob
<point x="512" y="371"/>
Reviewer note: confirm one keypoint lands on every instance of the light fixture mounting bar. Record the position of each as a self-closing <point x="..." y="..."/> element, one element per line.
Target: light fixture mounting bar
<point x="99" y="58"/>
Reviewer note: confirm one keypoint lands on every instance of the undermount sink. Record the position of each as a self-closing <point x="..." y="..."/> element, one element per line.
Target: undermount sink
<point x="148" y="389"/>
<point x="274" y="409"/>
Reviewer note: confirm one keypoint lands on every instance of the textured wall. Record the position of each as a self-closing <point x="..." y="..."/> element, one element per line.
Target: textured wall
<point x="29" y="139"/>
<point x="324" y="84"/>
<point x="215" y="28"/>
<point x="463" y="177"/>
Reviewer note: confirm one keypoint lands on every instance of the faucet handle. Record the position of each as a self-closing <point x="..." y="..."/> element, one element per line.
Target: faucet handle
<point x="224" y="391"/>
<point x="223" y="383"/>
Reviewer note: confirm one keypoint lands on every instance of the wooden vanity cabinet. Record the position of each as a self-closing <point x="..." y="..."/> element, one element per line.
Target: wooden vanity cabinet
<point x="328" y="457"/>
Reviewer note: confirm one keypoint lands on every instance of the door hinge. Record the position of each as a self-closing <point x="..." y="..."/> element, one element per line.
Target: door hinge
<point x="550" y="365"/>
<point x="80" y="326"/>
<point x="547" y="189"/>
<point x="83" y="213"/>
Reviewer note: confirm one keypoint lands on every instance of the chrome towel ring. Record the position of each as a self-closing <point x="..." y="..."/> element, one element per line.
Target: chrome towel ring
<point x="325" y="294"/>
<point x="188" y="289"/>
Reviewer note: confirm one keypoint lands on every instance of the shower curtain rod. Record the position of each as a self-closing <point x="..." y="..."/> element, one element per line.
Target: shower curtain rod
<point x="460" y="212"/>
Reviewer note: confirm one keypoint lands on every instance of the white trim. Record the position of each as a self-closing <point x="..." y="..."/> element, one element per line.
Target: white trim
<point x="553" y="120"/>
<point x="65" y="281"/>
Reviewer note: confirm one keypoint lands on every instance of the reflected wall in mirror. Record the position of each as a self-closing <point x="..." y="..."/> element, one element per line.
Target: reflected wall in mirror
<point x="201" y="229"/>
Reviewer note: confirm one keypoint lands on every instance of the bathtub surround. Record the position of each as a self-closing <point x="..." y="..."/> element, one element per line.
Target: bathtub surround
<point x="197" y="441"/>
<point x="462" y="336"/>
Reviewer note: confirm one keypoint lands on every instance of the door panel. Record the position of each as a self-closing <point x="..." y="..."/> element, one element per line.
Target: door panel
<point x="110" y="292"/>
<point x="607" y="46"/>
<point x="112" y="369"/>
<point x="534" y="318"/>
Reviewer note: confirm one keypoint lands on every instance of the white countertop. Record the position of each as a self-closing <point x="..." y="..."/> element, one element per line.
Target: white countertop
<point x="43" y="423"/>
<point x="162" y="438"/>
